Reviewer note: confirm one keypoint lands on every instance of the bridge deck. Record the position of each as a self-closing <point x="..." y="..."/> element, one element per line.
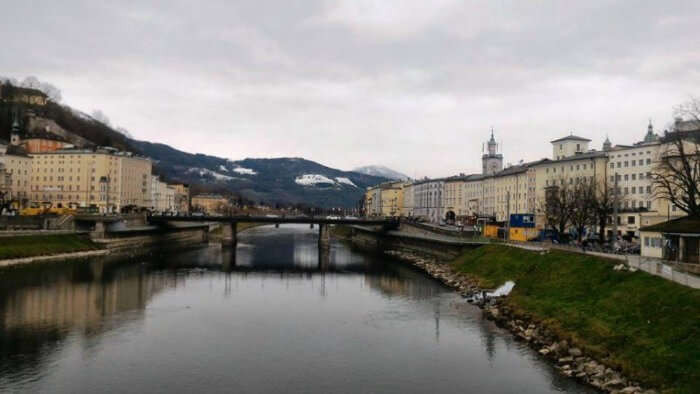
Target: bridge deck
<point x="271" y="220"/>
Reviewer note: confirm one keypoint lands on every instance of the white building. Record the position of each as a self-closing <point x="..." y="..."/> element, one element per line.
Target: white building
<point x="428" y="199"/>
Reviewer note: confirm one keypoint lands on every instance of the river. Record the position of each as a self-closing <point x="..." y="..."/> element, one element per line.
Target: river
<point x="274" y="318"/>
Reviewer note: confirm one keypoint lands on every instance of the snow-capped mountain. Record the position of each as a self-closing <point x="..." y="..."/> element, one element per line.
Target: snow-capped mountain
<point x="385" y="172"/>
<point x="289" y="180"/>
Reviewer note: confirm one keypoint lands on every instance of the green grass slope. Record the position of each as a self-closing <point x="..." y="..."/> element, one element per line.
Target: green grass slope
<point x="642" y="324"/>
<point x="39" y="245"/>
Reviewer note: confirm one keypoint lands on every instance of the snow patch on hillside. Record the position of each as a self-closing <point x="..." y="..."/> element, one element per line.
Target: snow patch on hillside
<point x="313" y="179"/>
<point x="245" y="171"/>
<point x="345" y="180"/>
<point x="204" y="172"/>
<point x="222" y="168"/>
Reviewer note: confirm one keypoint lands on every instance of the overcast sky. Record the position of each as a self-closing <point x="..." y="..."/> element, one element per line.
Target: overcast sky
<point x="413" y="85"/>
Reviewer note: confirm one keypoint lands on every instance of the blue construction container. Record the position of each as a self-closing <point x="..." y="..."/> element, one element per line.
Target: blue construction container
<point x="526" y="220"/>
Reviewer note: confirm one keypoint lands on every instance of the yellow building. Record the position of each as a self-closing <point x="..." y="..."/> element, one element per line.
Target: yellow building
<point x="391" y="198"/>
<point x="373" y="201"/>
<point x="210" y="203"/>
<point x="408" y="200"/>
<point x="104" y="179"/>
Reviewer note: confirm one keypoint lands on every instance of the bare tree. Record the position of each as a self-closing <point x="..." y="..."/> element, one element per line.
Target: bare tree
<point x="50" y="90"/>
<point x="602" y="205"/>
<point x="557" y="206"/>
<point x="581" y="199"/>
<point x="100" y="116"/>
<point x="676" y="177"/>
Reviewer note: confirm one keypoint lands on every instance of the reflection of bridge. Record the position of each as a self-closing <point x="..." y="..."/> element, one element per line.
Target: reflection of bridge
<point x="323" y="222"/>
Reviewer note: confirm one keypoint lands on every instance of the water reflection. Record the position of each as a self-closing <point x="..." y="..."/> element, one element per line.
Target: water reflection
<point x="277" y="314"/>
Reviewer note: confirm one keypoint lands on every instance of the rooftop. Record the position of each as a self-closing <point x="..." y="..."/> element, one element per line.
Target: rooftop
<point x="572" y="138"/>
<point x="209" y="196"/>
<point x="580" y="156"/>
<point x="684" y="225"/>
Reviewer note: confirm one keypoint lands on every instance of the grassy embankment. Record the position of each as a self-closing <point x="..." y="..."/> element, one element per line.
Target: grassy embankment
<point x="39" y="245"/>
<point x="642" y="324"/>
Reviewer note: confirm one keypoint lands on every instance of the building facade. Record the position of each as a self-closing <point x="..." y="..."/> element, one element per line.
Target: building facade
<point x="391" y="198"/>
<point x="16" y="177"/>
<point x="104" y="179"/>
<point x="210" y="203"/>
<point x="428" y="199"/>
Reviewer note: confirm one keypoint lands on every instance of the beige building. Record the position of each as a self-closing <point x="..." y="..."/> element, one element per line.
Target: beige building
<point x="573" y="163"/>
<point x="210" y="203"/>
<point x="104" y="179"/>
<point x="511" y="192"/>
<point x="16" y="94"/>
<point x="17" y="177"/>
<point x="408" y="200"/>
<point x="462" y="196"/>
<point x="182" y="197"/>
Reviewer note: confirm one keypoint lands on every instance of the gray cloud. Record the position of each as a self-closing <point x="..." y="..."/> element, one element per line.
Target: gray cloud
<point x="413" y="85"/>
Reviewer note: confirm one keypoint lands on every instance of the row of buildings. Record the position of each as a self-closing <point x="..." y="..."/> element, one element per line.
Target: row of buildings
<point x="498" y="191"/>
<point x="42" y="168"/>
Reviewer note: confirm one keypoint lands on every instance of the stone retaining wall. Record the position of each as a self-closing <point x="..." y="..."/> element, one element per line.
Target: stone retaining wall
<point x="569" y="359"/>
<point x="378" y="241"/>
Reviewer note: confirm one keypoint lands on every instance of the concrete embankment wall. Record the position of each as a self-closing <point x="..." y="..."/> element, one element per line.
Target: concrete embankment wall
<point x="136" y="241"/>
<point x="379" y="241"/>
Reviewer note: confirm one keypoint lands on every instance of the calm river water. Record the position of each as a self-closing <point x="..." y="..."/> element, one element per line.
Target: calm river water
<point x="277" y="318"/>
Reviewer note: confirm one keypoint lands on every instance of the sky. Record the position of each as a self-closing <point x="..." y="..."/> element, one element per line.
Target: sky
<point x="414" y="85"/>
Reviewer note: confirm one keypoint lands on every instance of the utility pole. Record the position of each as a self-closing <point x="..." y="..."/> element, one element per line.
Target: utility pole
<point x="614" y="218"/>
<point x="505" y="236"/>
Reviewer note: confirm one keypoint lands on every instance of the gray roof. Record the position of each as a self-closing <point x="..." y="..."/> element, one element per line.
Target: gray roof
<point x="580" y="156"/>
<point x="571" y="137"/>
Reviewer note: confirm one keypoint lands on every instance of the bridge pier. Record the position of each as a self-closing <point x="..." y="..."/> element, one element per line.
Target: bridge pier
<point x="324" y="236"/>
<point x="324" y="259"/>
<point x="234" y="234"/>
<point x="311" y="225"/>
<point x="277" y="225"/>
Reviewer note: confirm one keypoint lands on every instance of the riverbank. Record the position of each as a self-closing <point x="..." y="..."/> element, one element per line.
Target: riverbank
<point x="614" y="329"/>
<point x="44" y="245"/>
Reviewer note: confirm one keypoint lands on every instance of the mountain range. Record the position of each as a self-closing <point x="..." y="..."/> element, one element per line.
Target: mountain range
<point x="274" y="180"/>
<point x="289" y="180"/>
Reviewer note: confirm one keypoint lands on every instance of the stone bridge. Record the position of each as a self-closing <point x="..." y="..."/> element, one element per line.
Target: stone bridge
<point x="322" y="222"/>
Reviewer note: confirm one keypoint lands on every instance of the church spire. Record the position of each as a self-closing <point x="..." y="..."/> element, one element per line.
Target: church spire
<point x="650" y="136"/>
